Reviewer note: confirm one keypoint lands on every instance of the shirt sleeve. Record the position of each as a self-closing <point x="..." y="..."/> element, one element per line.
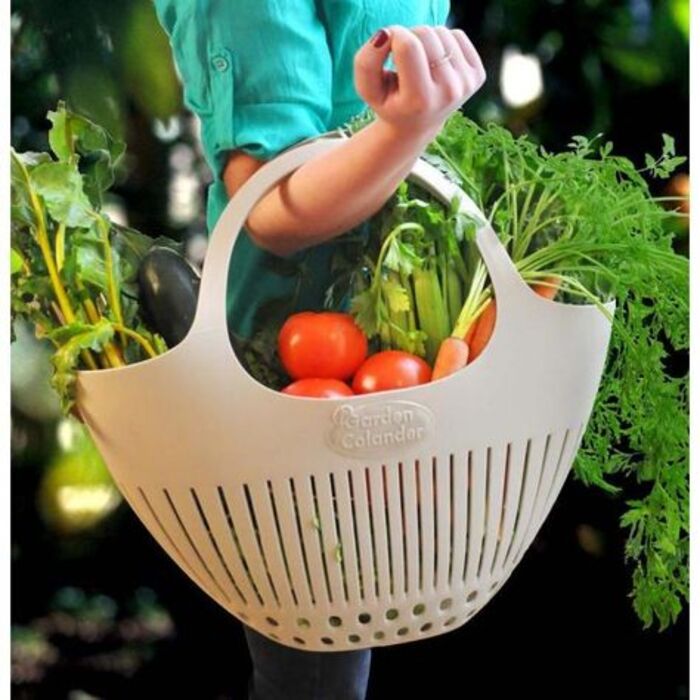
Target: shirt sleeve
<point x="258" y="73"/>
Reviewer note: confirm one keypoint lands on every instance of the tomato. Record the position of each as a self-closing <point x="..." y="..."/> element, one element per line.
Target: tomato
<point x="323" y="345"/>
<point x="390" y="369"/>
<point x="318" y="388"/>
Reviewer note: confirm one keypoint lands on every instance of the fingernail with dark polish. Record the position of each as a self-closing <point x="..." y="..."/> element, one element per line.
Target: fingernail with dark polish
<point x="380" y="38"/>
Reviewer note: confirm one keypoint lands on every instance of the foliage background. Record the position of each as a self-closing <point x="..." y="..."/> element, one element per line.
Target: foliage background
<point x="98" y="610"/>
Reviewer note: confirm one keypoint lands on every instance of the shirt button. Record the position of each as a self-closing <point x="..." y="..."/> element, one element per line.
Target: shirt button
<point x="220" y="63"/>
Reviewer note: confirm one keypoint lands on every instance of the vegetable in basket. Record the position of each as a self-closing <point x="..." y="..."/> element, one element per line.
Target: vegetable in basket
<point x="74" y="272"/>
<point x="582" y="224"/>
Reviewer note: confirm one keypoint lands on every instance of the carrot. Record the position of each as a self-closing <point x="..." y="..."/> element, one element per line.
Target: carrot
<point x="452" y="355"/>
<point x="549" y="289"/>
<point x="484" y="326"/>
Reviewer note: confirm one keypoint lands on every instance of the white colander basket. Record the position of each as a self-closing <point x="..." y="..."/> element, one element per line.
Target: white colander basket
<point x="348" y="523"/>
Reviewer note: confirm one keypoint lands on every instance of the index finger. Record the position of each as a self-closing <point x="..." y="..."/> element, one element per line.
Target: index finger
<point x="409" y="57"/>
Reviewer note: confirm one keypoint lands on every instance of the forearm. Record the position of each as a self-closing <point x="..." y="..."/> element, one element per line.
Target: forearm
<point x="336" y="191"/>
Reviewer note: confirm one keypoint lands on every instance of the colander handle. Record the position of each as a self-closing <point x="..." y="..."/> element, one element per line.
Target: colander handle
<point x="211" y="306"/>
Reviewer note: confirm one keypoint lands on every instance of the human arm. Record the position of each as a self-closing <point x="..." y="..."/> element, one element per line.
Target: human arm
<point x="337" y="190"/>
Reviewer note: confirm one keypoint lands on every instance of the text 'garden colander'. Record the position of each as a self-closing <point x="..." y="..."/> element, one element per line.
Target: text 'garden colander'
<point x="347" y="523"/>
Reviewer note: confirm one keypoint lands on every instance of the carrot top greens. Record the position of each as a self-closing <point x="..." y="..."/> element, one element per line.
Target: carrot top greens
<point x="587" y="217"/>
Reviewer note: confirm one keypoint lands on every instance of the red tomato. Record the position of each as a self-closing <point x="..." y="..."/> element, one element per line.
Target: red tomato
<point x="323" y="345"/>
<point x="318" y="388"/>
<point x="390" y="369"/>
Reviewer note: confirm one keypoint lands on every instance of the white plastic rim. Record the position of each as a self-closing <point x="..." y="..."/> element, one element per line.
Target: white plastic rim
<point x="342" y="524"/>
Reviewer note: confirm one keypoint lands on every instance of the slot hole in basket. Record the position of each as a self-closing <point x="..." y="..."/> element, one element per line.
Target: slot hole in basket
<point x="354" y="529"/>
<point x="427" y="626"/>
<point x="450" y="621"/>
<point x="472" y="596"/>
<point x="168" y="537"/>
<point x="297" y="517"/>
<point x="215" y="544"/>
<point x="340" y="559"/>
<point x="521" y="496"/>
<point x="280" y="540"/>
<point x="419" y="521"/>
<point x="327" y="640"/>
<point x="237" y="543"/>
<point x="272" y="621"/>
<point x="371" y="532"/>
<point x="487" y="500"/>
<point x="186" y="533"/>
<point x="453" y="516"/>
<point x="319" y="533"/>
<point x="387" y="523"/>
<point x="504" y="501"/>
<point x="435" y="522"/>
<point x="261" y="549"/>
<point x="404" y="538"/>
<point x="299" y="640"/>
<point x="470" y="506"/>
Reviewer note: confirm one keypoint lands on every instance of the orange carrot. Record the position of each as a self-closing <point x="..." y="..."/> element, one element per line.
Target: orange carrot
<point x="452" y="355"/>
<point x="549" y="289"/>
<point x="482" y="333"/>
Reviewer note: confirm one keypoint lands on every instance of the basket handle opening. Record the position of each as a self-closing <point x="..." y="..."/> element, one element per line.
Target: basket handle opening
<point x="211" y="314"/>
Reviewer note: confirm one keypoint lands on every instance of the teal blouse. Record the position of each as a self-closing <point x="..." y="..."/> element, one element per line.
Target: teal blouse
<point x="262" y="75"/>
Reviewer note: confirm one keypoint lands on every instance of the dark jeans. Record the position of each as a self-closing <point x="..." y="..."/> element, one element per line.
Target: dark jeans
<point x="284" y="673"/>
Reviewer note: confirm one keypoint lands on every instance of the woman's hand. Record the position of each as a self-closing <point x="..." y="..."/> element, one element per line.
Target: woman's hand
<point x="418" y="97"/>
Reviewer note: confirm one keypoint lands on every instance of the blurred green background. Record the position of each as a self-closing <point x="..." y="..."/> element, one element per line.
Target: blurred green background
<point x="98" y="610"/>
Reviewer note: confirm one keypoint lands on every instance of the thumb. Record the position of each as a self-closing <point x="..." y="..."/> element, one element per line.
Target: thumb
<point x="371" y="80"/>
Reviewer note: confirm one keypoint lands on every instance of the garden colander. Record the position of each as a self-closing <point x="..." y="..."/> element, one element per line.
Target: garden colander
<point x="355" y="522"/>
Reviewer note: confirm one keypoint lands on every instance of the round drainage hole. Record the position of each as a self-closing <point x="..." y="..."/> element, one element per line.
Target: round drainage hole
<point x="379" y="635"/>
<point x="335" y="621"/>
<point x="392" y="614"/>
<point x="418" y="609"/>
<point x="403" y="631"/>
<point x="450" y="621"/>
<point x="364" y="618"/>
<point x="303" y="622"/>
<point x="472" y="596"/>
<point x="354" y="638"/>
<point x="446" y="604"/>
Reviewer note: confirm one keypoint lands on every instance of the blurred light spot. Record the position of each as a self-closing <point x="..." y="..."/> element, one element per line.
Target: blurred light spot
<point x="521" y="78"/>
<point x="98" y="500"/>
<point x="167" y="130"/>
<point x="182" y="158"/>
<point x="590" y="540"/>
<point x="196" y="248"/>
<point x="66" y="434"/>
<point x="183" y="202"/>
<point x="116" y="212"/>
<point x="15" y="23"/>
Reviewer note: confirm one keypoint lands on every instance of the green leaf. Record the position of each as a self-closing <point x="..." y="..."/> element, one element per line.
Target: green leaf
<point x="16" y="262"/>
<point x="73" y="134"/>
<point x="669" y="145"/>
<point x="73" y="339"/>
<point x="396" y="295"/>
<point x="61" y="187"/>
